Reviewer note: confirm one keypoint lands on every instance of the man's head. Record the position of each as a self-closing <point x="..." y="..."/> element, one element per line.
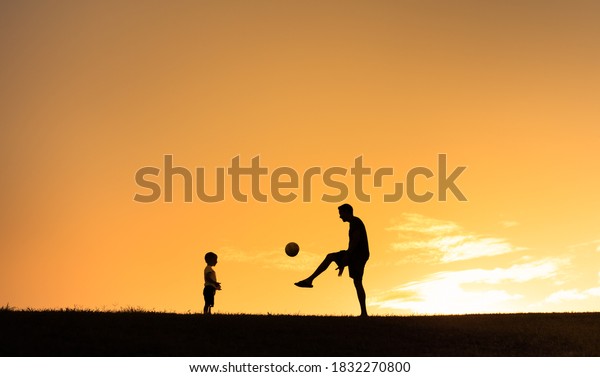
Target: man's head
<point x="346" y="212"/>
<point x="210" y="258"/>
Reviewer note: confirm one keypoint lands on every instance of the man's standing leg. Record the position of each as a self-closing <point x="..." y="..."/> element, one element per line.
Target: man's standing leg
<point x="357" y="271"/>
<point x="362" y="296"/>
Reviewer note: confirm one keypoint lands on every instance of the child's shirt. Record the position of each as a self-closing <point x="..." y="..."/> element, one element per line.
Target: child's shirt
<point x="209" y="274"/>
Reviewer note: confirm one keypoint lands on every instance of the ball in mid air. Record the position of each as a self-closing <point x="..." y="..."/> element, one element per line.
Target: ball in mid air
<point x="292" y="249"/>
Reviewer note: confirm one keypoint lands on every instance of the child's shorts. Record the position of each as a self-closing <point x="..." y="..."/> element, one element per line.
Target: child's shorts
<point x="209" y="295"/>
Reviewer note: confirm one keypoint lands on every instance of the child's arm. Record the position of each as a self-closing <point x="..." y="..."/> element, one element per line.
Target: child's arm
<point x="210" y="278"/>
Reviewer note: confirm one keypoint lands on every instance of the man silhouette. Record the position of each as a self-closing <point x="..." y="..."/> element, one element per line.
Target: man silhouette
<point x="355" y="257"/>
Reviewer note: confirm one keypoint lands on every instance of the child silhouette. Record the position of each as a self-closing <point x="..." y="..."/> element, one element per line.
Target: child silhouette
<point x="210" y="282"/>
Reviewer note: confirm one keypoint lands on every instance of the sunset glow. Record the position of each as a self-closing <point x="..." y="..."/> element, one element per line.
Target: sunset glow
<point x="93" y="92"/>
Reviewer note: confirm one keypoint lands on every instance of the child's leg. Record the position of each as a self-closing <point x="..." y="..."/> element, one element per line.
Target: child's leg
<point x="209" y="298"/>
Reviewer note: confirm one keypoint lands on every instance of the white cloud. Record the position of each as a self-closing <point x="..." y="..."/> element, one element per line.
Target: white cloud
<point x="413" y="222"/>
<point x="272" y="258"/>
<point x="593" y="292"/>
<point x="594" y="243"/>
<point x="509" y="223"/>
<point x="573" y="295"/>
<point x="557" y="283"/>
<point x="444" y="241"/>
<point x="447" y="292"/>
<point x="566" y="295"/>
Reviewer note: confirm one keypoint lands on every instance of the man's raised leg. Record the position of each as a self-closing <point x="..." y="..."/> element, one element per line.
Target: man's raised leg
<point x="307" y="283"/>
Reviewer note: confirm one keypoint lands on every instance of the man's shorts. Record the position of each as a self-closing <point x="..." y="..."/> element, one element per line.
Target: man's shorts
<point x="209" y="295"/>
<point x="355" y="264"/>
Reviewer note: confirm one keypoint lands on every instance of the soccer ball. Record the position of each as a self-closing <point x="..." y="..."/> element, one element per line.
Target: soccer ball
<point x="292" y="249"/>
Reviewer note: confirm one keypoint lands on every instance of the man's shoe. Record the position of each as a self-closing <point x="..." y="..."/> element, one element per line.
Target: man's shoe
<point x="304" y="284"/>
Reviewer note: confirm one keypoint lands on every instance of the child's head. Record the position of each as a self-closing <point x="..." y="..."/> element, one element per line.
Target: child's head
<point x="210" y="258"/>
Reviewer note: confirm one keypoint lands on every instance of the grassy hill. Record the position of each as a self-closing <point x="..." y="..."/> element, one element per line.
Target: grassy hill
<point x="137" y="333"/>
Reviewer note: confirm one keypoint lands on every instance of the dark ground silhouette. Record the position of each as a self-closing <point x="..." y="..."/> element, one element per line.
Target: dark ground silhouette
<point x="89" y="333"/>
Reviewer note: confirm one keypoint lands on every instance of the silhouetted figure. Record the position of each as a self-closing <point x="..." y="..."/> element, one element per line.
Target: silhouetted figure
<point x="355" y="257"/>
<point x="210" y="282"/>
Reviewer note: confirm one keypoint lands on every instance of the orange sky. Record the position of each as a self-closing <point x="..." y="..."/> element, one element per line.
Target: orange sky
<point x="92" y="92"/>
